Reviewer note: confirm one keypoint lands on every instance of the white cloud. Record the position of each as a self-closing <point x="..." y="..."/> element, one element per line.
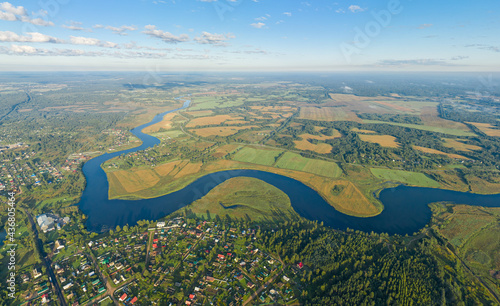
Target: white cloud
<point x="10" y="12"/>
<point x="165" y="36"/>
<point x="23" y="49"/>
<point x="425" y="25"/>
<point x="356" y="8"/>
<point x="118" y="30"/>
<point x="214" y="39"/>
<point x="88" y="41"/>
<point x="16" y="10"/>
<point x="32" y="37"/>
<point x="258" y="25"/>
<point x="287" y="14"/>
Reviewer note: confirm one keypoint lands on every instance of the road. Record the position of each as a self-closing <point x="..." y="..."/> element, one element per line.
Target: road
<point x="46" y="260"/>
<point x="264" y="286"/>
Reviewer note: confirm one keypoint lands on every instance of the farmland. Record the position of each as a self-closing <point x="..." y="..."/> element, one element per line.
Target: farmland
<point x="294" y="161"/>
<point x="488" y="129"/>
<point x="433" y="151"/>
<point x="257" y="156"/>
<point x="405" y="177"/>
<point x="459" y="145"/>
<point x="383" y="140"/>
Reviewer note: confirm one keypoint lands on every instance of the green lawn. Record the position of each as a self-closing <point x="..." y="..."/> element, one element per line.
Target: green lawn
<point x="257" y="156"/>
<point x="294" y="161"/>
<point x="455" y="132"/>
<point x="406" y="177"/>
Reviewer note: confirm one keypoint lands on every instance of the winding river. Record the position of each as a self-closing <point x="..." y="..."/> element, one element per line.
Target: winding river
<point x="405" y="211"/>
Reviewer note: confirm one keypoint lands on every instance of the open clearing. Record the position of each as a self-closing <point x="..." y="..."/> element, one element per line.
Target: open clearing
<point x="454" y="132"/>
<point x="336" y="134"/>
<point x="305" y="145"/>
<point x="201" y="121"/>
<point x="257" y="156"/>
<point x="294" y="161"/>
<point x="243" y="197"/>
<point x="221" y="130"/>
<point x="356" y="130"/>
<point x="458" y="145"/>
<point x="383" y="140"/>
<point x="165" y="169"/>
<point x="327" y="114"/>
<point x="190" y="168"/>
<point x="166" y="123"/>
<point x="406" y="177"/>
<point x="200" y="113"/>
<point x="432" y="151"/>
<point x="487" y="128"/>
<point x="136" y="180"/>
<point x="224" y="150"/>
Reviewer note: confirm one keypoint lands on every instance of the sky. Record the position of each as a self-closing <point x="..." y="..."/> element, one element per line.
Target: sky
<point x="249" y="35"/>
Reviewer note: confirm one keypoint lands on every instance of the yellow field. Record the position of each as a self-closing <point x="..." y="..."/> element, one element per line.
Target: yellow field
<point x="135" y="180"/>
<point x="487" y="128"/>
<point x="362" y="131"/>
<point x="383" y="140"/>
<point x="220" y="130"/>
<point x="166" y="123"/>
<point x="210" y="120"/>
<point x="321" y="148"/>
<point x="394" y="106"/>
<point x="189" y="169"/>
<point x="165" y="169"/>
<point x="428" y="150"/>
<point x="336" y="134"/>
<point x="327" y="114"/>
<point x="350" y="200"/>
<point x="459" y="145"/>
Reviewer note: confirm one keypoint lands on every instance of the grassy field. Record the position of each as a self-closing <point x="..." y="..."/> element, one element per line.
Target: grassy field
<point x="166" y="123"/>
<point x="218" y="119"/>
<point x="450" y="131"/>
<point x="363" y="131"/>
<point x="245" y="197"/>
<point x="294" y="161"/>
<point x="321" y="148"/>
<point x="327" y="114"/>
<point x="383" y="140"/>
<point x="486" y="128"/>
<point x="203" y="103"/>
<point x="406" y="177"/>
<point x="220" y="130"/>
<point x="257" y="156"/>
<point x="459" y="145"/>
<point x="432" y="151"/>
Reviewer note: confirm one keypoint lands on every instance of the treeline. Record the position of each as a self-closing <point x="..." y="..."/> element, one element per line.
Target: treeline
<point x="447" y="111"/>
<point x="359" y="269"/>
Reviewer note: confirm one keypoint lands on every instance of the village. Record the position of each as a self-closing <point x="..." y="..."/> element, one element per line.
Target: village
<point x="178" y="261"/>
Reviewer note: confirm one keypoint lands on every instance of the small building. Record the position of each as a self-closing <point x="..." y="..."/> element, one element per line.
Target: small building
<point x="123" y="297"/>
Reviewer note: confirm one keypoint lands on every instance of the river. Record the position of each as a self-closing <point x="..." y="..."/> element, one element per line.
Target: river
<point x="405" y="211"/>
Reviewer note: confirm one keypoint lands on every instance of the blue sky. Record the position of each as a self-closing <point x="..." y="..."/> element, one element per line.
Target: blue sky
<point x="257" y="35"/>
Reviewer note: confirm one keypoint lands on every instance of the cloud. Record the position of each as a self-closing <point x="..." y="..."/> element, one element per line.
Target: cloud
<point x="287" y="14"/>
<point x="258" y="25"/>
<point x="10" y="12"/>
<point x="117" y="30"/>
<point x="263" y="18"/>
<point x="75" y="26"/>
<point x="425" y="26"/>
<point x="214" y="39"/>
<point x="165" y="36"/>
<point x="78" y="40"/>
<point x="356" y="8"/>
<point x="415" y="62"/>
<point x="458" y="58"/>
<point x="484" y="47"/>
<point x="31" y="37"/>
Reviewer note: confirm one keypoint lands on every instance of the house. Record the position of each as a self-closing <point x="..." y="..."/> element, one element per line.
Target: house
<point x="221" y="257"/>
<point x="300" y="265"/>
<point x="59" y="245"/>
<point x="36" y="273"/>
<point x="160" y="224"/>
<point x="123" y="297"/>
<point x="132" y="302"/>
<point x="46" y="222"/>
<point x="192" y="296"/>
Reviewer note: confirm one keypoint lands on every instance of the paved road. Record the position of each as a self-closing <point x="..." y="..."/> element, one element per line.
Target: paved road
<point x="46" y="261"/>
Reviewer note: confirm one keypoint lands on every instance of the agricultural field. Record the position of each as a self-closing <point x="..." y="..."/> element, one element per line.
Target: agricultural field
<point x="459" y="145"/>
<point x="218" y="119"/>
<point x="305" y="145"/>
<point x="444" y="130"/>
<point x="166" y="124"/>
<point x="383" y="140"/>
<point x="327" y="114"/>
<point x="294" y="161"/>
<point x="204" y="103"/>
<point x="433" y="151"/>
<point x="405" y="177"/>
<point x="257" y="156"/>
<point x="356" y="130"/>
<point x="487" y="128"/>
<point x="244" y="197"/>
<point x="224" y="150"/>
<point x="220" y="130"/>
